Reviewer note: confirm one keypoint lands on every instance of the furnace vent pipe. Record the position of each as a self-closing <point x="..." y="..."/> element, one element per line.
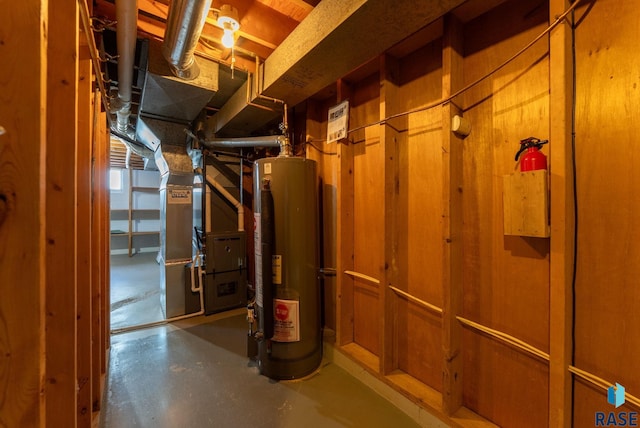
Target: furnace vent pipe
<point x="184" y="25"/>
<point x="229" y="197"/>
<point x="268" y="141"/>
<point x="127" y="30"/>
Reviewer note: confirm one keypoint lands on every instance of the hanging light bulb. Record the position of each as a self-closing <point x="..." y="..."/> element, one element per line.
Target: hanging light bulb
<point x="227" y="38"/>
<point x="228" y="21"/>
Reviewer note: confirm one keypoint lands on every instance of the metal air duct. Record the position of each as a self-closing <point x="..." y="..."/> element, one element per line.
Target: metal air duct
<point x="127" y="16"/>
<point x="184" y="26"/>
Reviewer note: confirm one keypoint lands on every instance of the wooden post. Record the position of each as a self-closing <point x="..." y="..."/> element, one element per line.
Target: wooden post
<point x="389" y="76"/>
<point x="85" y="118"/>
<point x="62" y="105"/>
<point x="452" y="80"/>
<point x="562" y="219"/>
<point x="344" y="232"/>
<point x="23" y="84"/>
<point x="97" y="248"/>
<point x="105" y="231"/>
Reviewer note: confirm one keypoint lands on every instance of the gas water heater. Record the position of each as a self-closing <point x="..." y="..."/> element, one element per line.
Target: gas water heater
<point x="289" y="336"/>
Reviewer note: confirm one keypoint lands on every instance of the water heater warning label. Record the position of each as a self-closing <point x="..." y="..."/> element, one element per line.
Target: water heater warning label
<point x="276" y="267"/>
<point x="286" y="320"/>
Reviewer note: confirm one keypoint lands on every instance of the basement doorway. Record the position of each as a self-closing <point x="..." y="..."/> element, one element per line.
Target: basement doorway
<point x="135" y="242"/>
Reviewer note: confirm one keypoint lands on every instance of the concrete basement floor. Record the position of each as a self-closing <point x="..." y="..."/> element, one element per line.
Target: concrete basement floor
<point x="195" y="373"/>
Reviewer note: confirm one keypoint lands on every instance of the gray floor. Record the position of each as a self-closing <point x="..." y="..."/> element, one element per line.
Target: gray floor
<point x="135" y="290"/>
<point x="195" y="374"/>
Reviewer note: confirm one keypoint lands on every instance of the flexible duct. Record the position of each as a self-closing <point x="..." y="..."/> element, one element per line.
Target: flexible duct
<point x="127" y="16"/>
<point x="184" y="25"/>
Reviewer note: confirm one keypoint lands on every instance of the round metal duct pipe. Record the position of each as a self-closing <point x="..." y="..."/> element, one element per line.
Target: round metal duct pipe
<point x="127" y="30"/>
<point x="184" y="26"/>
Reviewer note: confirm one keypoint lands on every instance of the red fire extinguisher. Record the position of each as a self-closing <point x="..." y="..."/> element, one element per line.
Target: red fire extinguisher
<point x="533" y="159"/>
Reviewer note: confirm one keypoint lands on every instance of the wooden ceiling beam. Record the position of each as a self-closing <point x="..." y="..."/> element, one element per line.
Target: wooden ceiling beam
<point x="296" y="9"/>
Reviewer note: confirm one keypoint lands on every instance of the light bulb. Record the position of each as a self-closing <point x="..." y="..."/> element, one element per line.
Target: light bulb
<point x="227" y="38"/>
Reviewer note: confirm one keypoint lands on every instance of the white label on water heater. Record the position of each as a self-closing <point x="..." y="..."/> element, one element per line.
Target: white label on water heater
<point x="267" y="168"/>
<point x="257" y="239"/>
<point x="276" y="266"/>
<point x="286" y="320"/>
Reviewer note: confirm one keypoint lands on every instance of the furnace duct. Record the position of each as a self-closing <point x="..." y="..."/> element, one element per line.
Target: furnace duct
<point x="184" y="26"/>
<point x="127" y="16"/>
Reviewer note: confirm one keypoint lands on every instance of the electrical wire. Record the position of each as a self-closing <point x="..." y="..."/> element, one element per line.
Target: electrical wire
<point x="310" y="143"/>
<point x="575" y="201"/>
<point x="448" y="99"/>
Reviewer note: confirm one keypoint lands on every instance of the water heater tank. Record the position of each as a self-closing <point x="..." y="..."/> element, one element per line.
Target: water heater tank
<point x="287" y="261"/>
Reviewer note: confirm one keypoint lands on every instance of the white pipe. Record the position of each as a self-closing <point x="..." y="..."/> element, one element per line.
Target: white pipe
<point x="229" y="197"/>
<point x="178" y="318"/>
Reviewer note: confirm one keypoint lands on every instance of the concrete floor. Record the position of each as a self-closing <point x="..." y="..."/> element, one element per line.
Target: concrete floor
<point x="195" y="373"/>
<point x="135" y="290"/>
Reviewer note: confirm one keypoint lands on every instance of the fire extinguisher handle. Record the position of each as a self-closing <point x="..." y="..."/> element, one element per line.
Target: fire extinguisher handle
<point x="530" y="142"/>
<point x="523" y="147"/>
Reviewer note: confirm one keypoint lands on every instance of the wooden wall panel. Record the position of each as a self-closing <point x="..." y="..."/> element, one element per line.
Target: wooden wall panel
<point x="503" y="385"/>
<point x="607" y="319"/>
<point x="368" y="178"/>
<point x="420" y="343"/>
<point x="22" y="208"/>
<point x="506" y="279"/>
<point x="368" y="247"/>
<point x="420" y="199"/>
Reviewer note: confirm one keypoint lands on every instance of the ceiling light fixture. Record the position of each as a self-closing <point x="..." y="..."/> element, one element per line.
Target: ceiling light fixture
<point x="228" y="21"/>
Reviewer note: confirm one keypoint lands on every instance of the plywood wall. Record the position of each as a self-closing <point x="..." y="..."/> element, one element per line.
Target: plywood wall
<point x="419" y="215"/>
<point x="512" y="286"/>
<point x="607" y="295"/>
<point x="505" y="279"/>
<point x="368" y="179"/>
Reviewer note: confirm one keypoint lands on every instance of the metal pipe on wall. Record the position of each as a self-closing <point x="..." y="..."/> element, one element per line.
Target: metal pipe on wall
<point x="184" y="25"/>
<point x="268" y="141"/>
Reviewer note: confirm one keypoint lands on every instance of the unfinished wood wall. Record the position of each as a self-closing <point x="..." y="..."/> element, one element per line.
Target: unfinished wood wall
<point x="419" y="213"/>
<point x="513" y="285"/>
<point x="53" y="171"/>
<point x="607" y="324"/>
<point x="505" y="278"/>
